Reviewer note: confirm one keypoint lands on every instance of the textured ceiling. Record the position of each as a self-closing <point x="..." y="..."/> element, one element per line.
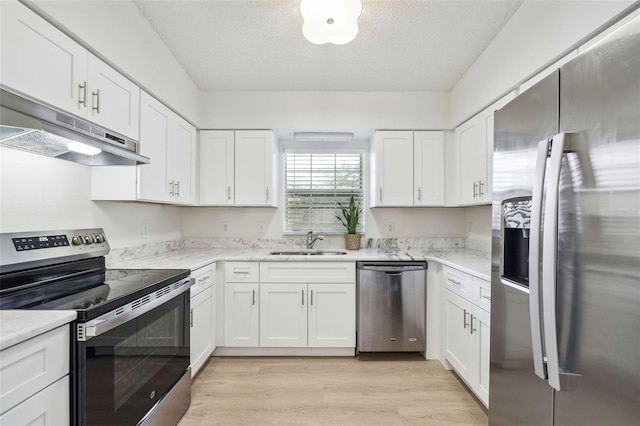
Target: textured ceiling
<point x="419" y="45"/>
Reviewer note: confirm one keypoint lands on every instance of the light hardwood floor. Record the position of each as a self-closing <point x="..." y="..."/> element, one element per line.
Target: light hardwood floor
<point x="329" y="391"/>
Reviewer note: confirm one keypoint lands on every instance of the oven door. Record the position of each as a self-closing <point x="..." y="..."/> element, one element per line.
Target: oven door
<point x="123" y="371"/>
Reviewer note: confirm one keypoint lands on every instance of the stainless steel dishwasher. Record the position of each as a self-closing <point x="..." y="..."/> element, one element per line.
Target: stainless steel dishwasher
<point x="391" y="306"/>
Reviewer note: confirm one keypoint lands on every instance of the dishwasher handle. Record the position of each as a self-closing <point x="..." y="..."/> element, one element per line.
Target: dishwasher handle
<point x="397" y="269"/>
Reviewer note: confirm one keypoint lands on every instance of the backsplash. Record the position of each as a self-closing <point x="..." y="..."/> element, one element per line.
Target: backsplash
<point x="121" y="254"/>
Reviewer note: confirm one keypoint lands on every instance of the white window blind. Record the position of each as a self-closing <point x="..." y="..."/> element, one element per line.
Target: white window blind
<point x="314" y="184"/>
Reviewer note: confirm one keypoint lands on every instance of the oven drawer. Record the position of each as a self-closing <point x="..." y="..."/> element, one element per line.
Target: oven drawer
<point x="30" y="366"/>
<point x="242" y="272"/>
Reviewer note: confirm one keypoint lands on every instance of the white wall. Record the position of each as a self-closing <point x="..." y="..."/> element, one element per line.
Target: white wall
<point x="478" y="222"/>
<point x="325" y="110"/>
<point x="42" y="193"/>
<point x="117" y="32"/>
<point x="535" y="36"/>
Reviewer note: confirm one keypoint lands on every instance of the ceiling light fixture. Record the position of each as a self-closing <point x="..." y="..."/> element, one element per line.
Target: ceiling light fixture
<point x="330" y="21"/>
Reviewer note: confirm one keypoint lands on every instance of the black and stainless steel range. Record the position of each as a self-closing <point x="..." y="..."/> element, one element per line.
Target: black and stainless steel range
<point x="130" y="343"/>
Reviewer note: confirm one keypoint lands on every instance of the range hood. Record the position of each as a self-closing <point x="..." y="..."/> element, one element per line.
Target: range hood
<point x="34" y="127"/>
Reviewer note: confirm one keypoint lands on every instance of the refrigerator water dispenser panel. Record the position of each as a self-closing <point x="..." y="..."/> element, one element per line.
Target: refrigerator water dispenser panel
<point x="516" y="221"/>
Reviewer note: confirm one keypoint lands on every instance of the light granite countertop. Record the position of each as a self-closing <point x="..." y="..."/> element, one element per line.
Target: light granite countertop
<point x="473" y="262"/>
<point x="16" y="326"/>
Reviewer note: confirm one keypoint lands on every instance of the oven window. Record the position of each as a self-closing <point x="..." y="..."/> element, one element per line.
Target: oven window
<point x="130" y="368"/>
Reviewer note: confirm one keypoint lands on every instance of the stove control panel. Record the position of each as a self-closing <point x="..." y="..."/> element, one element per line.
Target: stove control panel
<point x="23" y="250"/>
<point x="40" y="242"/>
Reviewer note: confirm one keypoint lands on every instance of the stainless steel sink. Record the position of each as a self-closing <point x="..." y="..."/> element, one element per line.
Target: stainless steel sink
<point x="307" y="253"/>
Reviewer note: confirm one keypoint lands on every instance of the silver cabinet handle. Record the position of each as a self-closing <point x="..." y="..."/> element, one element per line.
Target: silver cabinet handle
<point x="534" y="260"/>
<point x="302" y="297"/>
<point x="472" y="329"/>
<point x="177" y="188"/>
<point x="191" y="317"/>
<point x="171" y="188"/>
<point x="228" y="193"/>
<point x="253" y="297"/>
<point x="486" y="297"/>
<point x="82" y="94"/>
<point x="380" y="193"/>
<point x="480" y="185"/>
<point x="419" y="194"/>
<point x="475" y="189"/>
<point x="465" y="319"/>
<point x="311" y="297"/>
<point x="267" y="193"/>
<point x="549" y="259"/>
<point x="96" y="106"/>
<point x="451" y="280"/>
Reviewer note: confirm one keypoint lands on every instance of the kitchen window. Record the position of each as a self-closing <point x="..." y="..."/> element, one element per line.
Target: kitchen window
<point x="314" y="182"/>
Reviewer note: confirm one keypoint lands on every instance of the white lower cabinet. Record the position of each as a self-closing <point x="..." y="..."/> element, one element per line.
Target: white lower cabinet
<point x="202" y="317"/>
<point x="290" y="305"/>
<point x="34" y="380"/>
<point x="283" y="315"/>
<point x="241" y="315"/>
<point x="332" y="316"/>
<point x="467" y="329"/>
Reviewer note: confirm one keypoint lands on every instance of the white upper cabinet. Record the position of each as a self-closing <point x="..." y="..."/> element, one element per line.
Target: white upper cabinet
<point x="170" y="143"/>
<point x="474" y="145"/>
<point x="428" y="168"/>
<point x="40" y="61"/>
<point x="216" y="162"/>
<point x="113" y="101"/>
<point x="408" y="169"/>
<point x="237" y="168"/>
<point x="254" y="168"/>
<point x="392" y="169"/>
<point x="43" y="63"/>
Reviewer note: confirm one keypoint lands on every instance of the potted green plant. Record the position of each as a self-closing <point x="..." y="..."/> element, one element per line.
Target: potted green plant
<point x="350" y="218"/>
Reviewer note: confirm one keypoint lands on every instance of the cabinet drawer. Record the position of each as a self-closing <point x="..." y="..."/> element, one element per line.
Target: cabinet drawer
<point x="50" y="407"/>
<point x="30" y="366"/>
<point x="459" y="283"/>
<point x="204" y="277"/>
<point x="242" y="272"/>
<point x="308" y="272"/>
<point x="482" y="294"/>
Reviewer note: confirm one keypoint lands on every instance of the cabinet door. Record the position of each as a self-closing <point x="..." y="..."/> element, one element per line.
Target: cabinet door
<point x="470" y="138"/>
<point x="216" y="167"/>
<point x="459" y="342"/>
<point x="113" y="100"/>
<point x="40" y="61"/>
<point x="481" y="330"/>
<point x="181" y="160"/>
<point x="283" y="315"/>
<point x="332" y="315"/>
<point x="202" y="332"/>
<point x="393" y="169"/>
<point x="254" y="167"/>
<point x="241" y="315"/>
<point x="428" y="168"/>
<point x="153" y="184"/>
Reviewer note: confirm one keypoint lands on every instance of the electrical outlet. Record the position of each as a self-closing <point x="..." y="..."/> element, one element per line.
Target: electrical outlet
<point x="145" y="230"/>
<point x="261" y="228"/>
<point x="391" y="227"/>
<point x="225" y="227"/>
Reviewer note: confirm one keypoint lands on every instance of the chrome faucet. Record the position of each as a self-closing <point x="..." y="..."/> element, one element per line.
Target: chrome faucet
<point x="311" y="239"/>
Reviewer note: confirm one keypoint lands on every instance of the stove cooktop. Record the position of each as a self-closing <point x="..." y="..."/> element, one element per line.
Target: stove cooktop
<point x="94" y="294"/>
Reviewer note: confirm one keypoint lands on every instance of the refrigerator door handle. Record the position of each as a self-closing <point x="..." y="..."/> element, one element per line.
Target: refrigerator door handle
<point x="549" y="261"/>
<point x="534" y="260"/>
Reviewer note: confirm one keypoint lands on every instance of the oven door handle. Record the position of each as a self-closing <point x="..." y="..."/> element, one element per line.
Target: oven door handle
<point x="132" y="310"/>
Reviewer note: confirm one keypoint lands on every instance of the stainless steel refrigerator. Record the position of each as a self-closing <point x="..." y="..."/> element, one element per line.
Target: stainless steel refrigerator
<point x="565" y="276"/>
